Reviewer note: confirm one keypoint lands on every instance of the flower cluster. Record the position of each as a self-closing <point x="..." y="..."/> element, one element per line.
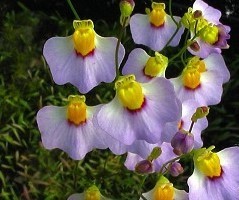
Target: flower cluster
<point x="153" y="118"/>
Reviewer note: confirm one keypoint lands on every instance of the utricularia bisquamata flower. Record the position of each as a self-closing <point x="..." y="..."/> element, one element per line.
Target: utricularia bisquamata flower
<point x="139" y="111"/>
<point x="165" y="190"/>
<point x="83" y="59"/>
<point x="91" y="193"/>
<point x="202" y="80"/>
<point x="155" y="28"/>
<point x="216" y="175"/>
<point x="144" y="66"/>
<point x="210" y="34"/>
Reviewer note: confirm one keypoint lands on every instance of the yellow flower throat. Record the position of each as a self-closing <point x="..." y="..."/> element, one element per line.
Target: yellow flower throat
<point x="129" y="92"/>
<point x="192" y="73"/>
<point x="76" y="109"/>
<point x="157" y="15"/>
<point x="84" y="37"/>
<point x="208" y="162"/>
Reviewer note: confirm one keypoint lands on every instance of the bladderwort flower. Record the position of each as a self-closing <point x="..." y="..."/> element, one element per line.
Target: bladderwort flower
<point x="155" y="28"/>
<point x="145" y="67"/>
<point x="92" y="193"/>
<point x="188" y="109"/>
<point x="140" y="150"/>
<point x="212" y="35"/>
<point x="71" y="129"/>
<point x="83" y="59"/>
<point x="139" y="110"/>
<point x="164" y="190"/>
<point x="202" y="80"/>
<point x="216" y="175"/>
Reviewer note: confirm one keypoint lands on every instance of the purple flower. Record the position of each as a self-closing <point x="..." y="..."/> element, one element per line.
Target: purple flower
<point x="139" y="111"/>
<point x="92" y="193"/>
<point x="216" y="175"/>
<point x="83" y="59"/>
<point x="155" y="28"/>
<point x="188" y="109"/>
<point x="140" y="150"/>
<point x="202" y="80"/>
<point x="71" y="129"/>
<point x="145" y="67"/>
<point x="212" y="35"/>
<point x="164" y="189"/>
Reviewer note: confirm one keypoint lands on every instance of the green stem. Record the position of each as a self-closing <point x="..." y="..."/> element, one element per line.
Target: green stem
<point x="177" y="24"/>
<point x="184" y="48"/>
<point x="168" y="162"/>
<point x="179" y="53"/>
<point x="170" y="12"/>
<point x="140" y="187"/>
<point x="191" y="127"/>
<point x="117" y="48"/>
<point x="73" y="9"/>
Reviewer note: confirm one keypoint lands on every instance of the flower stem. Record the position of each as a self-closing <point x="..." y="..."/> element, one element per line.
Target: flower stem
<point x="170" y="12"/>
<point x="141" y="185"/>
<point x="73" y="9"/>
<point x="191" y="127"/>
<point x="168" y="162"/>
<point x="117" y="48"/>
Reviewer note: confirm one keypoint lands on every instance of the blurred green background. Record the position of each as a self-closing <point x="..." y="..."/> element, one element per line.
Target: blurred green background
<point x="27" y="170"/>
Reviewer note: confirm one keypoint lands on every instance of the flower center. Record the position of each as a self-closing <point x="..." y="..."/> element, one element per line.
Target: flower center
<point x="92" y="193"/>
<point x="129" y="92"/>
<point x="157" y="15"/>
<point x="210" y="34"/>
<point x="208" y="162"/>
<point x="192" y="72"/>
<point x="195" y="22"/>
<point x="76" y="109"/>
<point x="84" y="36"/>
<point x="164" y="190"/>
<point x="156" y="65"/>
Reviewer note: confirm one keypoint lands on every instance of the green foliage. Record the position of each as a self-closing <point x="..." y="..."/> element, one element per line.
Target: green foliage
<point x="27" y="170"/>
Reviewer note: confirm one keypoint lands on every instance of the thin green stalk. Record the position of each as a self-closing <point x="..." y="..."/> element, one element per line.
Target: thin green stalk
<point x="73" y="9"/>
<point x="117" y="48"/>
<point x="168" y="162"/>
<point x="170" y="12"/>
<point x="177" y="24"/>
<point x="191" y="127"/>
<point x="141" y="185"/>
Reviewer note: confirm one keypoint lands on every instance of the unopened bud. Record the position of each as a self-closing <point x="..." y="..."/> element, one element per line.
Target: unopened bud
<point x="144" y="167"/>
<point x="175" y="169"/>
<point x="195" y="46"/>
<point x="126" y="7"/>
<point x="201" y="112"/>
<point x="182" y="142"/>
<point x="156" y="152"/>
<point x="197" y="14"/>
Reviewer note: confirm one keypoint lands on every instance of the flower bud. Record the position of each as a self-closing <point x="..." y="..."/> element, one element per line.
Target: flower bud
<point x="126" y="7"/>
<point x="175" y="169"/>
<point x="144" y="167"/>
<point x="200" y="113"/>
<point x="182" y="142"/>
<point x="195" y="46"/>
<point x="156" y="152"/>
<point x="197" y="14"/>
